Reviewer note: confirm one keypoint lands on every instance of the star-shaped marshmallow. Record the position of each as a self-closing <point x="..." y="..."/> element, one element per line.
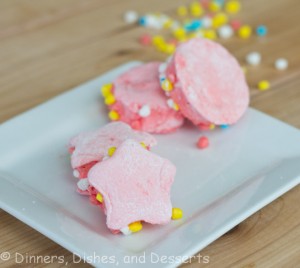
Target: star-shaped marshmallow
<point x="135" y="185"/>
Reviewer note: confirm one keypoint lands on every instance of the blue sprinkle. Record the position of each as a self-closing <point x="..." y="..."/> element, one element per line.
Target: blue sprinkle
<point x="224" y="126"/>
<point x="219" y="2"/>
<point x="143" y="21"/>
<point x="261" y="30"/>
<point x="162" y="79"/>
<point x="193" y="26"/>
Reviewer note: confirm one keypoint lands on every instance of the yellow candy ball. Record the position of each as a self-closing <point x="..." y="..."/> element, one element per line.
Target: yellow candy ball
<point x="110" y="99"/>
<point x="168" y="24"/>
<point x="167" y="85"/>
<point x="157" y="40"/>
<point x="219" y="20"/>
<point x="264" y="85"/>
<point x="176" y="107"/>
<point x="113" y="115"/>
<point x="182" y="11"/>
<point x="99" y="197"/>
<point x="176" y="213"/>
<point x="135" y="226"/>
<point x="143" y="145"/>
<point x="245" y="31"/>
<point x="210" y="34"/>
<point x="169" y="49"/>
<point x="111" y="151"/>
<point x="179" y="34"/>
<point x="106" y="90"/>
<point x="233" y="6"/>
<point x="214" y="7"/>
<point x="196" y="9"/>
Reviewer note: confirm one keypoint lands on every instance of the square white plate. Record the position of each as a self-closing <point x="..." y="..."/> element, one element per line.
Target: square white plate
<point x="246" y="167"/>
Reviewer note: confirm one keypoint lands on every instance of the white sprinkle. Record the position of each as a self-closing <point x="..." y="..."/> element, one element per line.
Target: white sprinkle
<point x="83" y="184"/>
<point x="105" y="158"/>
<point x="175" y="25"/>
<point x="253" y="58"/>
<point x="170" y="103"/>
<point x="126" y="231"/>
<point x="281" y="64"/>
<point x="162" y="68"/>
<point x="145" y="111"/>
<point x="225" y="32"/>
<point x="153" y="22"/>
<point x="76" y="173"/>
<point x="206" y="22"/>
<point x="131" y="17"/>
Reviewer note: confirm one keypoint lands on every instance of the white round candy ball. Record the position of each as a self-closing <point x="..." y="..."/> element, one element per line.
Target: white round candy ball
<point x="281" y="64"/>
<point x="131" y="16"/>
<point x="253" y="58"/>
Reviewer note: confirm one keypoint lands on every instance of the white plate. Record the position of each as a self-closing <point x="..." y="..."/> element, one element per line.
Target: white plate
<point x="246" y="167"/>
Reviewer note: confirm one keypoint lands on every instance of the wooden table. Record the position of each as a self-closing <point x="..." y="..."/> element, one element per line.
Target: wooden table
<point x="48" y="47"/>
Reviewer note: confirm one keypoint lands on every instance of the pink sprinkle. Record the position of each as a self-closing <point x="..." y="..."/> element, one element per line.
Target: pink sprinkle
<point x="173" y="42"/>
<point x="145" y="39"/>
<point x="235" y="24"/>
<point x="203" y="142"/>
<point x="205" y="3"/>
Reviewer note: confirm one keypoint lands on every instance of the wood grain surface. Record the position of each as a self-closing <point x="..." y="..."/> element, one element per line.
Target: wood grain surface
<point x="48" y="47"/>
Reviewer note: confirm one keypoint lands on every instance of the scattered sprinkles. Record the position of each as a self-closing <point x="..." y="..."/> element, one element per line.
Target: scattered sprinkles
<point x="263" y="85"/>
<point x="203" y="142"/>
<point x="135" y="226"/>
<point x="253" y="58"/>
<point x="176" y="213"/>
<point x="131" y="17"/>
<point x="281" y="64"/>
<point x="113" y="115"/>
<point x="261" y="30"/>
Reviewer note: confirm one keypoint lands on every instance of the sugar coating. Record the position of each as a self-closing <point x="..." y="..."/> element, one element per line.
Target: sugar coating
<point x="93" y="146"/>
<point x="141" y="103"/>
<point x="210" y="86"/>
<point x="135" y="185"/>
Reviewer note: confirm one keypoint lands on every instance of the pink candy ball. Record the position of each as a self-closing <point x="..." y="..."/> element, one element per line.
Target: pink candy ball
<point x="203" y="142"/>
<point x="145" y="40"/>
<point x="235" y="24"/>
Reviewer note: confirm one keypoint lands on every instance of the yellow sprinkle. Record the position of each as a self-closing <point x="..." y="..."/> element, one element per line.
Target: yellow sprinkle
<point x="169" y="49"/>
<point x="212" y="126"/>
<point x="233" y="6"/>
<point x="214" y="7"/>
<point x="182" y="11"/>
<point x="167" y="85"/>
<point x="157" y="40"/>
<point x="245" y="31"/>
<point x="264" y="85"/>
<point x="176" y="107"/>
<point x="179" y="34"/>
<point x="196" y="9"/>
<point x="168" y="24"/>
<point x="99" y="197"/>
<point x="110" y="99"/>
<point x="111" y="151"/>
<point x="219" y="20"/>
<point x="210" y="34"/>
<point x="176" y="213"/>
<point x="106" y="90"/>
<point x="113" y="115"/>
<point x="135" y="226"/>
<point x="143" y="145"/>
